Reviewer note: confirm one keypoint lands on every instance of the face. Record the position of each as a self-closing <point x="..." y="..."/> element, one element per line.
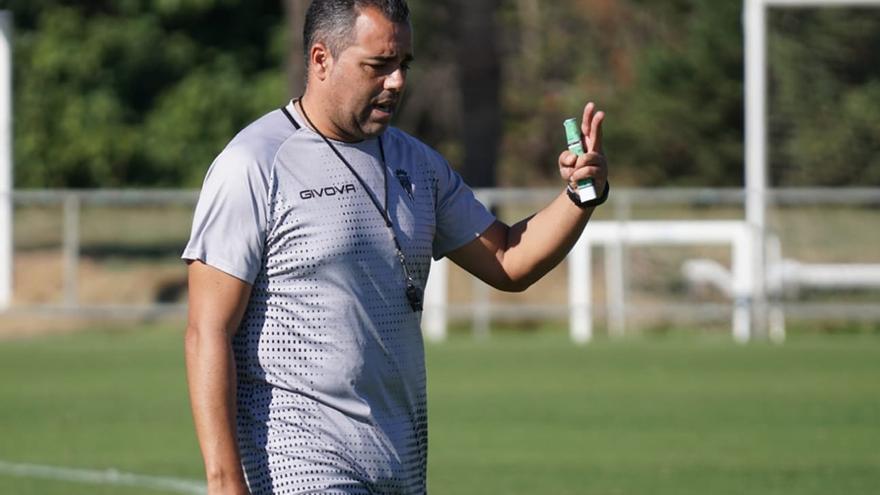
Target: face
<point x="365" y="81"/>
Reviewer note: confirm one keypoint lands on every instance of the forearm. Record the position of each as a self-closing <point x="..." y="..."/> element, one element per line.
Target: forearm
<point x="537" y="244"/>
<point x="513" y="258"/>
<point x="211" y="378"/>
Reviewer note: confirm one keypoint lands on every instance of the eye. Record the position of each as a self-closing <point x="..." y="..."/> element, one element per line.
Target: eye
<point x="388" y="66"/>
<point x="379" y="67"/>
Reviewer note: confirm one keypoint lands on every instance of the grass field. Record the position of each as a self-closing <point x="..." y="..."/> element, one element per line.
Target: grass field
<point x="522" y="413"/>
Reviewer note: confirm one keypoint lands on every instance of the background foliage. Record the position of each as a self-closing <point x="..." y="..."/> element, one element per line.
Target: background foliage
<point x="138" y="92"/>
<point x="112" y="93"/>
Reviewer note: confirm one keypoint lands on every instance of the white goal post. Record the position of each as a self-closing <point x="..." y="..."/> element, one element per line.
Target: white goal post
<point x="733" y="233"/>
<point x="755" y="35"/>
<point x="611" y="235"/>
<point x="5" y="159"/>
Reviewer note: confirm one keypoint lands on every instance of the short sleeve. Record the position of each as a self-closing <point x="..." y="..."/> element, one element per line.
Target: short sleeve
<point x="460" y="217"/>
<point x="231" y="217"/>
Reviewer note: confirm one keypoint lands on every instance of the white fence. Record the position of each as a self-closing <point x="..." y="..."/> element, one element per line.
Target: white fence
<point x="71" y="203"/>
<point x="615" y="230"/>
<point x="613" y="236"/>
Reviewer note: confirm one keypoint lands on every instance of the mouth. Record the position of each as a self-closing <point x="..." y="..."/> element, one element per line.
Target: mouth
<point x="385" y="106"/>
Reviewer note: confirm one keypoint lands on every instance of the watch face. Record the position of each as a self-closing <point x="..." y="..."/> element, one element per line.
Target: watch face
<point x="573" y="196"/>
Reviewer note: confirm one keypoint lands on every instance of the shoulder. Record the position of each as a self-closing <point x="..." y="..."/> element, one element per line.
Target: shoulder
<point x="254" y="149"/>
<point x="262" y="139"/>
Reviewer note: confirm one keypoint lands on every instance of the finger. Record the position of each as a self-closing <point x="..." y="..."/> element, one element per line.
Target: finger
<point x="567" y="159"/>
<point x="595" y="143"/>
<point x="588" y="117"/>
<point x="591" y="159"/>
<point x="596" y="174"/>
<point x="588" y="172"/>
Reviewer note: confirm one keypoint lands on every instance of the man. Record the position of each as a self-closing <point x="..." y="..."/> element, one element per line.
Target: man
<point x="311" y="244"/>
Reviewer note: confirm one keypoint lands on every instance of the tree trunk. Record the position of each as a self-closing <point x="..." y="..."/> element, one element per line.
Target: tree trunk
<point x="480" y="82"/>
<point x="295" y="13"/>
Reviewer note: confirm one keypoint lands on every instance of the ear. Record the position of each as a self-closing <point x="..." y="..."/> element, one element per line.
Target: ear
<point x="320" y="60"/>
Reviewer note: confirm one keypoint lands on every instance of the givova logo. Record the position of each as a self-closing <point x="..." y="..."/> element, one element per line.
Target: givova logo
<point x="327" y="191"/>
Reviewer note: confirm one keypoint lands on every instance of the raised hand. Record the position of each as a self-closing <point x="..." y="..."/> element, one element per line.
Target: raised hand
<point x="592" y="164"/>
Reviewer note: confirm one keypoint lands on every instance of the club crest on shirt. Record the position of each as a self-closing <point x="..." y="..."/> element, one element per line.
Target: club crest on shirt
<point x="405" y="182"/>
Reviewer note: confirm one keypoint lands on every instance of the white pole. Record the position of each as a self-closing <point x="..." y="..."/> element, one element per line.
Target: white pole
<point x="71" y="249"/>
<point x="482" y="309"/>
<point x="579" y="293"/>
<point x="754" y="13"/>
<point x="741" y="256"/>
<point x="5" y="160"/>
<point x="775" y="289"/>
<point x="615" y="270"/>
<point x="436" y="301"/>
<point x="614" y="288"/>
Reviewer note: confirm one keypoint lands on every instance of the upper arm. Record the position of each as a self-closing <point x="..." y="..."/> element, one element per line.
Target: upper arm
<point x="460" y="217"/>
<point x="225" y="248"/>
<point x="483" y="257"/>
<point x="230" y="224"/>
<point x="217" y="300"/>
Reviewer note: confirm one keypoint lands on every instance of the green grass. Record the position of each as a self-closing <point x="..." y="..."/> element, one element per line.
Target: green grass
<point x="524" y="413"/>
<point x="114" y="399"/>
<point x="680" y="415"/>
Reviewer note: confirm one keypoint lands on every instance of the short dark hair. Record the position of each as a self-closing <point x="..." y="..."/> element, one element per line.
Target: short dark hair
<point x="332" y="21"/>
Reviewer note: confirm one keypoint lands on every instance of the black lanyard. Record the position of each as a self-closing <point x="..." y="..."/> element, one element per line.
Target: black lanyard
<point x="414" y="293"/>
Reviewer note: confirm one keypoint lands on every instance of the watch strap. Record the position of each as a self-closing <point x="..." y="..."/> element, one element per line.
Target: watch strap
<point x="573" y="196"/>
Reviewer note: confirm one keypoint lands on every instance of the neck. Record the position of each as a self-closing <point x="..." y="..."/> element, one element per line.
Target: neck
<point x="318" y="120"/>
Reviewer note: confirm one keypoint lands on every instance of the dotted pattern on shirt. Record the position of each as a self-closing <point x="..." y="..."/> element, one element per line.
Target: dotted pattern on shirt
<point x="331" y="375"/>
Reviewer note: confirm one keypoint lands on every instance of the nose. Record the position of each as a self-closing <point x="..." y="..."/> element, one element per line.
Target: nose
<point x="396" y="80"/>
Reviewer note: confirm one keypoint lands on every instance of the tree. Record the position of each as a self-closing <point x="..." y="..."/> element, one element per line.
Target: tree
<point x="824" y="101"/>
<point x="147" y="92"/>
<point x="295" y="14"/>
<point x="681" y="122"/>
<point x="480" y="85"/>
<point x="140" y="92"/>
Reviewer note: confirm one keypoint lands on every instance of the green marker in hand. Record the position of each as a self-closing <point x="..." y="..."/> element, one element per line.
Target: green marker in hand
<point x="585" y="188"/>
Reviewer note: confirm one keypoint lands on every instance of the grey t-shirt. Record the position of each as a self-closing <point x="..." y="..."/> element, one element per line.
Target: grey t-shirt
<point x="329" y="354"/>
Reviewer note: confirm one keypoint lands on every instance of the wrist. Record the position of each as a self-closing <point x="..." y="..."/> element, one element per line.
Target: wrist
<point x="576" y="198"/>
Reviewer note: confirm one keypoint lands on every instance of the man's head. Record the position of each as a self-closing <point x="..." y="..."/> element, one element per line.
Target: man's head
<point x="358" y="53"/>
<point x="332" y="21"/>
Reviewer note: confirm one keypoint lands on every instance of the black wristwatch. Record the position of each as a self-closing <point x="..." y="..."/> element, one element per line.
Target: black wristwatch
<point x="573" y="196"/>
